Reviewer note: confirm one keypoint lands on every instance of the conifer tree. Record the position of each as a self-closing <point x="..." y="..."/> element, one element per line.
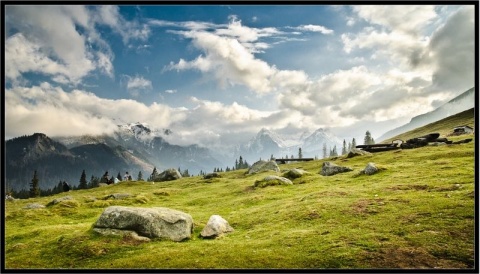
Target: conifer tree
<point x="300" y="156"/>
<point x="119" y="176"/>
<point x="34" y="187"/>
<point x="368" y="140"/>
<point x="83" y="181"/>
<point x="154" y="175"/>
<point x="354" y="143"/>
<point x="140" y="176"/>
<point x="324" y="151"/>
<point x="344" y="148"/>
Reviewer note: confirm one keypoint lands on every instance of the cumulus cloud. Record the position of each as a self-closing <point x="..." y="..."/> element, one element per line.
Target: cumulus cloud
<point x="66" y="51"/>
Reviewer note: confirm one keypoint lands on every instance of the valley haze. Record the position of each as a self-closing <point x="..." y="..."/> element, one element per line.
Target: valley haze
<point x="219" y="77"/>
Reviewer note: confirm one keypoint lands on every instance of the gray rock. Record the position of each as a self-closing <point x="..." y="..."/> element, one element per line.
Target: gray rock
<point x="58" y="200"/>
<point x="121" y="233"/>
<point x="329" y="169"/>
<point x="272" y="180"/>
<point x="168" y="175"/>
<point x="215" y="227"/>
<point x="211" y="175"/>
<point x="357" y="152"/>
<point x="156" y="222"/>
<point x="370" y="169"/>
<point x="34" y="206"/>
<point x="118" y="196"/>
<point x="294" y="173"/>
<point x="261" y="166"/>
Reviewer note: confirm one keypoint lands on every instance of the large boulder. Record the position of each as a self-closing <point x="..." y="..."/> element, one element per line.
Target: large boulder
<point x="261" y="166"/>
<point x="156" y="222"/>
<point x="211" y="175"/>
<point x="357" y="152"/>
<point x="215" y="227"/>
<point x="272" y="180"/>
<point x="329" y="169"/>
<point x="168" y="175"/>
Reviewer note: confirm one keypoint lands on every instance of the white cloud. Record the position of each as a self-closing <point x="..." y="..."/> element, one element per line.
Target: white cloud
<point x="314" y="28"/>
<point x="62" y="41"/>
<point x="171" y="91"/>
<point x="55" y="112"/>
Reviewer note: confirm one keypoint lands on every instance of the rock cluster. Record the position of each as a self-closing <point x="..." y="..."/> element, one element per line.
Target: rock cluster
<point x="272" y="180"/>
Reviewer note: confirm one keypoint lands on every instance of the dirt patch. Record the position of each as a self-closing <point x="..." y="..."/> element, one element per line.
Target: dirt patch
<point x="409" y="258"/>
<point x="409" y="187"/>
<point x="364" y="206"/>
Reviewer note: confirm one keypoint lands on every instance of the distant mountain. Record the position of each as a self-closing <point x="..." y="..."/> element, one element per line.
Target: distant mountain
<point x="458" y="104"/>
<point x="267" y="143"/>
<point x="54" y="162"/>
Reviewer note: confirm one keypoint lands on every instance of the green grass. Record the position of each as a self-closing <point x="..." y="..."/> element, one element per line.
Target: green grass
<point x="418" y="212"/>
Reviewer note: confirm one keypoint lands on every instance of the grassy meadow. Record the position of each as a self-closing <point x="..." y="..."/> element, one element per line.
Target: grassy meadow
<point x="417" y="212"/>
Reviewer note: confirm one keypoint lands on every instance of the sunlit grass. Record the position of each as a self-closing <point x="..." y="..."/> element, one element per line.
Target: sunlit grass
<point x="418" y="212"/>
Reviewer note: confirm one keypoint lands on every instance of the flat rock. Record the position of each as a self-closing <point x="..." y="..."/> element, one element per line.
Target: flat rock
<point x="329" y="169"/>
<point x="272" y="180"/>
<point x="156" y="222"/>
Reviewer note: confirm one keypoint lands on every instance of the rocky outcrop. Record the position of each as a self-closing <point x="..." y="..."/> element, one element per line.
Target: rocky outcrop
<point x="261" y="166"/>
<point x="329" y="169"/>
<point x="156" y="222"/>
<point x="117" y="196"/>
<point x="216" y="227"/>
<point x="168" y="175"/>
<point x="294" y="173"/>
<point x="272" y="180"/>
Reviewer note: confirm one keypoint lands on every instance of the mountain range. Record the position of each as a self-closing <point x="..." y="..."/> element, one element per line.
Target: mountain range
<point x="136" y="147"/>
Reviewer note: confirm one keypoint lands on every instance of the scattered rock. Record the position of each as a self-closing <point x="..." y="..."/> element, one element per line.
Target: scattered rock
<point x="357" y="152"/>
<point x="370" y="169"/>
<point x="156" y="222"/>
<point x="58" y="200"/>
<point x="117" y="196"/>
<point x="329" y="169"/>
<point x="261" y="166"/>
<point x="272" y="180"/>
<point x="168" y="175"/>
<point x="121" y="233"/>
<point x="9" y="198"/>
<point x="215" y="227"/>
<point x="294" y="173"/>
<point x="34" y="206"/>
<point x="211" y="175"/>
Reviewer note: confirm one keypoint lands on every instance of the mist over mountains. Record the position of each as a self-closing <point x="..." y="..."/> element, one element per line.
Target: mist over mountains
<point x="135" y="147"/>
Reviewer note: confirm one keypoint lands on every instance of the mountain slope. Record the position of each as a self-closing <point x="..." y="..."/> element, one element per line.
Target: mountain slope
<point x="458" y="104"/>
<point x="443" y="126"/>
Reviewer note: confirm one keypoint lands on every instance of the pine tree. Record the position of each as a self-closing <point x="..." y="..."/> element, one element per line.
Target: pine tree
<point x="140" y="176"/>
<point x="240" y="162"/>
<point x="300" y="156"/>
<point x="324" y="150"/>
<point x="368" y="140"/>
<point x="154" y="175"/>
<point x="354" y="143"/>
<point x="236" y="164"/>
<point x="34" y="188"/>
<point x="344" y="148"/>
<point x="83" y="181"/>
<point x="185" y="173"/>
<point x="119" y="176"/>
<point x="334" y="151"/>
<point x="349" y="146"/>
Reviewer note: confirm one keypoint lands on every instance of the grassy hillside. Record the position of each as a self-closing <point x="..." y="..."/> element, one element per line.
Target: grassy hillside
<point x="444" y="126"/>
<point x="416" y="213"/>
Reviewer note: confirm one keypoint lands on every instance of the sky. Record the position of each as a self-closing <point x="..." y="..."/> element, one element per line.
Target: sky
<point x="216" y="74"/>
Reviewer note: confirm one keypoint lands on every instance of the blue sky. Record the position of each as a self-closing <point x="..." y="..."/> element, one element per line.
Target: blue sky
<point x="216" y="74"/>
